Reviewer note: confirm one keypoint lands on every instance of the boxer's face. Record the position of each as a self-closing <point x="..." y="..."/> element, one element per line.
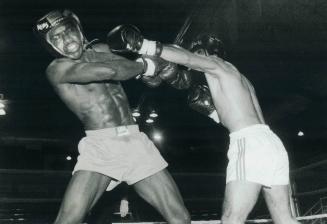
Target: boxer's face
<point x="67" y="40"/>
<point x="201" y="51"/>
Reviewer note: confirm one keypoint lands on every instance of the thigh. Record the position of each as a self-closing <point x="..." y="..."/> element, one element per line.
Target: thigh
<point x="278" y="202"/>
<point x="161" y="191"/>
<point x="240" y="198"/>
<point x="83" y="190"/>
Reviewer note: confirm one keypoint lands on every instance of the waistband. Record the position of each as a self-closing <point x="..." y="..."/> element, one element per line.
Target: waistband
<point x="114" y="131"/>
<point x="253" y="129"/>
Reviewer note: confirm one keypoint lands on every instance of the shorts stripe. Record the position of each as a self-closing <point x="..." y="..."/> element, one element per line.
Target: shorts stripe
<point x="240" y="164"/>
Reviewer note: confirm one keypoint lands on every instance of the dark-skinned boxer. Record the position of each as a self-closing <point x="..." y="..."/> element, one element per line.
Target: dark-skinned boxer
<point x="87" y="78"/>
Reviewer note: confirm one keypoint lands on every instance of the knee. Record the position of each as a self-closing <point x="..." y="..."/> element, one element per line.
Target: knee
<point x="71" y="216"/>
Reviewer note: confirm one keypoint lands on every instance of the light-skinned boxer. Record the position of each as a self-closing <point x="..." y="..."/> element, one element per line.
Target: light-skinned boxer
<point x="257" y="157"/>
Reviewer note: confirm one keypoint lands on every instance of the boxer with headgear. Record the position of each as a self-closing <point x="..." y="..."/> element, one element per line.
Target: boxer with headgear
<point x="257" y="157"/>
<point x="86" y="76"/>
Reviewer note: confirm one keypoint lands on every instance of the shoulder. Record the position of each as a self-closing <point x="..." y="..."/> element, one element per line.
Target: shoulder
<point x="248" y="83"/>
<point x="57" y="68"/>
<point x="104" y="50"/>
<point x="101" y="47"/>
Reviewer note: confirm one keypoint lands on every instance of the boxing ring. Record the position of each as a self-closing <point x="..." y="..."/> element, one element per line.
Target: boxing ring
<point x="27" y="195"/>
<point x="312" y="219"/>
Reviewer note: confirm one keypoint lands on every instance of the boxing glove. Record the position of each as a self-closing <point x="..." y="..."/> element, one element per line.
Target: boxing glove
<point x="180" y="79"/>
<point x="153" y="66"/>
<point x="154" y="69"/>
<point x="117" y="38"/>
<point x="124" y="38"/>
<point x="151" y="81"/>
<point x="200" y="100"/>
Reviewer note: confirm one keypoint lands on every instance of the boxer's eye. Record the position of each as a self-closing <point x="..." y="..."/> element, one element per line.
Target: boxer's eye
<point x="69" y="30"/>
<point x="55" y="38"/>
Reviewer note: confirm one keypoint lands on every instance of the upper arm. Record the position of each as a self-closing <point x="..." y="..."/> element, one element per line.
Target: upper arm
<point x="68" y="71"/>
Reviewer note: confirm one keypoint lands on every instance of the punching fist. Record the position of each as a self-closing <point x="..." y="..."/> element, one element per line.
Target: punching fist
<point x="180" y="79"/>
<point x="120" y="36"/>
<point x="200" y="100"/>
<point x="154" y="68"/>
<point x="124" y="38"/>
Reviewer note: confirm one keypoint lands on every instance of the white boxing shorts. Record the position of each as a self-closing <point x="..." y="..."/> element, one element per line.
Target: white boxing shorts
<point x="122" y="153"/>
<point x="257" y="155"/>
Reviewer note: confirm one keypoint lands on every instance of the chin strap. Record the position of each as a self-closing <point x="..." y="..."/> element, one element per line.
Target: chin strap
<point x="89" y="45"/>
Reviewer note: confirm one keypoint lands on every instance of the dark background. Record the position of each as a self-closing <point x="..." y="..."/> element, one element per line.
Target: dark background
<point x="280" y="45"/>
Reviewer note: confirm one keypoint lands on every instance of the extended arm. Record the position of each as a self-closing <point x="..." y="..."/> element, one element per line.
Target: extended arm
<point x="129" y="37"/>
<point x="184" y="57"/>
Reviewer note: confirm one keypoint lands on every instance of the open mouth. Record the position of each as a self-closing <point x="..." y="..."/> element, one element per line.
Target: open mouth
<point x="71" y="47"/>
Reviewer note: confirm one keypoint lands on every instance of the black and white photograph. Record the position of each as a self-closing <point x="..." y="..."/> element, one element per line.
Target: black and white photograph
<point x="163" y="111"/>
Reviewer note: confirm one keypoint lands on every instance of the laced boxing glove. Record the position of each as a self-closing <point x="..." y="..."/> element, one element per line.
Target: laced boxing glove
<point x="124" y="38"/>
<point x="150" y="75"/>
<point x="153" y="66"/>
<point x="200" y="100"/>
<point x="154" y="69"/>
<point x="167" y="71"/>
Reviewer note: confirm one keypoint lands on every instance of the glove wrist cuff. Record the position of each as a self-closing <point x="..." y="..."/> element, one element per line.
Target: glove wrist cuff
<point x="149" y="66"/>
<point x="150" y="47"/>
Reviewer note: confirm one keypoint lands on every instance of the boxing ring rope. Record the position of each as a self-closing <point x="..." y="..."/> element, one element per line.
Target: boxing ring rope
<point x="319" y="191"/>
<point x="301" y="218"/>
<point x="307" y="167"/>
<point x="179" y="37"/>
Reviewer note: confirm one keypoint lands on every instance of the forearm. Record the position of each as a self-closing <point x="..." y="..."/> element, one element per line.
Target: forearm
<point x="118" y="70"/>
<point x="184" y="57"/>
<point x="125" y="69"/>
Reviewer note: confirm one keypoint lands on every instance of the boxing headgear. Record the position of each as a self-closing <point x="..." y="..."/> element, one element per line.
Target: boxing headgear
<point x="210" y="43"/>
<point x="51" y="20"/>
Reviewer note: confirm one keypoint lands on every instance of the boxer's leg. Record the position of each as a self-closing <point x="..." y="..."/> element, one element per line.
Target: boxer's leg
<point x="240" y="197"/>
<point x="278" y="202"/>
<point x="162" y="193"/>
<point x="83" y="190"/>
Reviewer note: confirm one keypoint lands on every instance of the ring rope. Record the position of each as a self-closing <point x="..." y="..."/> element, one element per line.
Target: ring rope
<point x="310" y="217"/>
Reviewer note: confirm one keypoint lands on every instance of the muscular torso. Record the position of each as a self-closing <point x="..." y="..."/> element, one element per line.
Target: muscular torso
<point x="97" y="103"/>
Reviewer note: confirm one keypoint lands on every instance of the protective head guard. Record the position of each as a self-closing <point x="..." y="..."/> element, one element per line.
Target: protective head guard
<point x="52" y="20"/>
<point x="210" y="43"/>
